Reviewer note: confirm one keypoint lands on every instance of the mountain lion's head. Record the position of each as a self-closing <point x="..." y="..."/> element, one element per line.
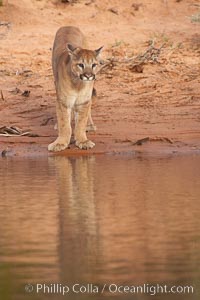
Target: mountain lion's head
<point x="85" y="64"/>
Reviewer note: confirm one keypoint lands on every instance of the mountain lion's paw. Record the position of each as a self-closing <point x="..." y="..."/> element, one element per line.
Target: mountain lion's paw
<point x="85" y="145"/>
<point x="57" y="146"/>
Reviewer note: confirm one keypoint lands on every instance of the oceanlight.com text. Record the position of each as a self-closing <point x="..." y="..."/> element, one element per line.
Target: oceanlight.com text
<point x="112" y="288"/>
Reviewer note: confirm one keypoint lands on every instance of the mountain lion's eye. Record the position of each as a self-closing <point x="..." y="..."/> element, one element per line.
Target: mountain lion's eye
<point x="81" y="66"/>
<point x="94" y="65"/>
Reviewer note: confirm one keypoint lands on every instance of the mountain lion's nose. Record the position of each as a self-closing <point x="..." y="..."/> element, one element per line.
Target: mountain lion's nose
<point x="87" y="75"/>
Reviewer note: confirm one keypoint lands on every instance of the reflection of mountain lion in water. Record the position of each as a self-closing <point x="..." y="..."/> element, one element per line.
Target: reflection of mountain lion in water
<point x="74" y="70"/>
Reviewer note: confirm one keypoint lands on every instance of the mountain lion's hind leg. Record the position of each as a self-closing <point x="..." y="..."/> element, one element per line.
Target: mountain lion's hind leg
<point x="90" y="124"/>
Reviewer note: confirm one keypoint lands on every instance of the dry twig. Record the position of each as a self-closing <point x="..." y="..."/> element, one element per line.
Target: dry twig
<point x="150" y="55"/>
<point x="15" y="131"/>
<point x="135" y="63"/>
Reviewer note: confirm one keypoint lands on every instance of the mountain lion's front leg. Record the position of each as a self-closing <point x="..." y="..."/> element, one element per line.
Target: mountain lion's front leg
<point x="80" y="128"/>
<point x="64" y="128"/>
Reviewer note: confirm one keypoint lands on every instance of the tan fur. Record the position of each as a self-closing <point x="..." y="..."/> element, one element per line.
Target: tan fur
<point x="74" y="69"/>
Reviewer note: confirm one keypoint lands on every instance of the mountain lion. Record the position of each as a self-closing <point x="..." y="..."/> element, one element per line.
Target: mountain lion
<point x="74" y="70"/>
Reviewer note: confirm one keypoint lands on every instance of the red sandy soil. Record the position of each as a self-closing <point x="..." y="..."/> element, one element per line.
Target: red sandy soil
<point x="161" y="103"/>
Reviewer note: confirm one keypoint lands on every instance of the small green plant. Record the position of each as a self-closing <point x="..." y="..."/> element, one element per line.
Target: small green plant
<point x="195" y="18"/>
<point x="160" y="36"/>
<point x="117" y="43"/>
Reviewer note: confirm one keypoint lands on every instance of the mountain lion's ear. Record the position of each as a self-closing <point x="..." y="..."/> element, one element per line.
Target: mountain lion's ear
<point x="98" y="51"/>
<point x="72" y="50"/>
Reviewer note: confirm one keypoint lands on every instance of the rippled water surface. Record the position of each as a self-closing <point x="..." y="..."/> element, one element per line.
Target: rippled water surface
<point x="99" y="220"/>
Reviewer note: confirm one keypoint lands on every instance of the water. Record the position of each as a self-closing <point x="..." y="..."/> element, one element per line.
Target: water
<point x="99" y="220"/>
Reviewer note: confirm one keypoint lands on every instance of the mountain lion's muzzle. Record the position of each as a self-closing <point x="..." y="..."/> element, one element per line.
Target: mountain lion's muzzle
<point x="87" y="77"/>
